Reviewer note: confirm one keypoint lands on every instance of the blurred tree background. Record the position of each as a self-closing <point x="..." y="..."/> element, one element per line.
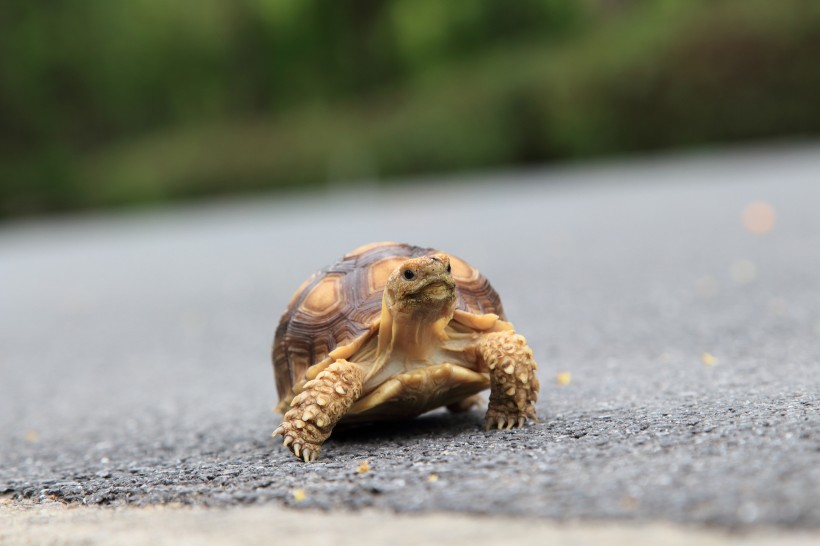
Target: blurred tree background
<point x="110" y="103"/>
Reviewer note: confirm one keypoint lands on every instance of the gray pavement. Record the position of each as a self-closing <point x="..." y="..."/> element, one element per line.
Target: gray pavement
<point x="134" y="348"/>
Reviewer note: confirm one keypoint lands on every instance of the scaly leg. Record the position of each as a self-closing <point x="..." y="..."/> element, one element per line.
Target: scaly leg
<point x="314" y="412"/>
<point x="513" y="382"/>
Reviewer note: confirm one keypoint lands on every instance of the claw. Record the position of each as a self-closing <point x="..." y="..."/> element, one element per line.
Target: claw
<point x="297" y="449"/>
<point x="306" y="455"/>
<point x="280" y="430"/>
<point x="506" y="422"/>
<point x="288" y="440"/>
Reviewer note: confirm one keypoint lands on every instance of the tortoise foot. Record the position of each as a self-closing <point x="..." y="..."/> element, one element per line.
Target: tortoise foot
<point x="513" y="383"/>
<point x="505" y="420"/>
<point x="315" y="411"/>
<point x="305" y="449"/>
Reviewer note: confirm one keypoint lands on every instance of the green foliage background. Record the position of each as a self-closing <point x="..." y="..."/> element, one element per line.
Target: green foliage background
<point x="108" y="102"/>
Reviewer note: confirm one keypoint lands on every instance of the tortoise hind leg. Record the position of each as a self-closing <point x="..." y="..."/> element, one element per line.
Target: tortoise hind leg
<point x="315" y="411"/>
<point x="513" y="383"/>
<point x="465" y="404"/>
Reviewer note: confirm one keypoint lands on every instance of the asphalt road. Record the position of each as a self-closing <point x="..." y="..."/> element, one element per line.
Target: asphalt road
<point x="134" y="349"/>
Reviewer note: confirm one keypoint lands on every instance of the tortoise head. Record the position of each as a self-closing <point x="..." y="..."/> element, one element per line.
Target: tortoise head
<point x="422" y="289"/>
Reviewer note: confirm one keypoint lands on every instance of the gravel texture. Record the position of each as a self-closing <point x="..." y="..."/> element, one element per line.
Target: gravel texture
<point x="135" y="348"/>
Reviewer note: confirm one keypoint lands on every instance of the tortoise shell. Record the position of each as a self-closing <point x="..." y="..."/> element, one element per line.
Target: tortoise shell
<point x="341" y="303"/>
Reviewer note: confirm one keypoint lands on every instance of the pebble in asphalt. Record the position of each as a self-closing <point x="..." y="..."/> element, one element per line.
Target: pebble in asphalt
<point x="678" y="348"/>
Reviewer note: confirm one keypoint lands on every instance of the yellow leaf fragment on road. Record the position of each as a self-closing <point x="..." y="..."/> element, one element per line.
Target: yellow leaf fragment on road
<point x="363" y="467"/>
<point x="299" y="495"/>
<point x="629" y="503"/>
<point x="709" y="359"/>
<point x="432" y="477"/>
<point x="563" y="378"/>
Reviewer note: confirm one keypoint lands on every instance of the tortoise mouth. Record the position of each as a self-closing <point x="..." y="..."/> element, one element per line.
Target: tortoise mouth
<point x="436" y="288"/>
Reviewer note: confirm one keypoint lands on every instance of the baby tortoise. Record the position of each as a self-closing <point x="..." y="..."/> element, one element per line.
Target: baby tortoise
<point x="392" y="331"/>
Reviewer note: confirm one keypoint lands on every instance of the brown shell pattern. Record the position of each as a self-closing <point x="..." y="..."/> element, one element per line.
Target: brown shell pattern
<point x="340" y="303"/>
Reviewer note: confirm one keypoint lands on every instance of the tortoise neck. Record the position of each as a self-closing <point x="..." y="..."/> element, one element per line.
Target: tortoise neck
<point x="413" y="334"/>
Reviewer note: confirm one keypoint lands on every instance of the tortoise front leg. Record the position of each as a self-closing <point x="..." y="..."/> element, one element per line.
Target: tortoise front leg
<point x="315" y="411"/>
<point x="513" y="382"/>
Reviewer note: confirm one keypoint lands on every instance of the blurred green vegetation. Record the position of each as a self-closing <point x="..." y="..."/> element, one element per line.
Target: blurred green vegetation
<point x="107" y="103"/>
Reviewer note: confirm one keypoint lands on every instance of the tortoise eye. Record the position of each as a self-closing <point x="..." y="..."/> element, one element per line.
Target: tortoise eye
<point x="449" y="269"/>
<point x="409" y="275"/>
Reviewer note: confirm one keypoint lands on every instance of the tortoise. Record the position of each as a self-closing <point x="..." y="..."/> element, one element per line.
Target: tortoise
<point x="392" y="331"/>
